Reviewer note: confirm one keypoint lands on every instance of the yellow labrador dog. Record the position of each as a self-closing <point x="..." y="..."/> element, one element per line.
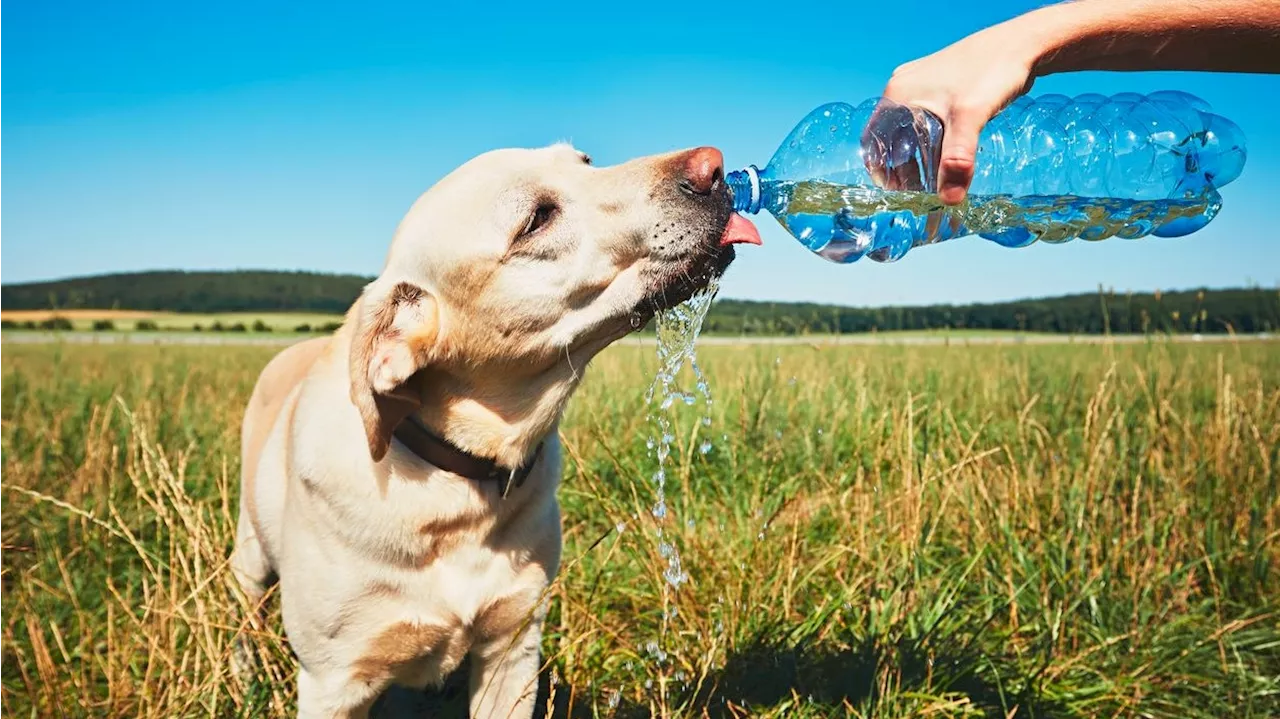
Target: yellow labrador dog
<point x="399" y="478"/>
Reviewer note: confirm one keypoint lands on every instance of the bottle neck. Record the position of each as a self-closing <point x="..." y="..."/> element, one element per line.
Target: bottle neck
<point x="745" y="184"/>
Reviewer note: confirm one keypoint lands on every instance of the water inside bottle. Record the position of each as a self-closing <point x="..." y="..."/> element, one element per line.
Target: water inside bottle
<point x="844" y="223"/>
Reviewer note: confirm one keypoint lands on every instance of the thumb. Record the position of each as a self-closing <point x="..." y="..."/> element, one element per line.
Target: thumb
<point x="959" y="153"/>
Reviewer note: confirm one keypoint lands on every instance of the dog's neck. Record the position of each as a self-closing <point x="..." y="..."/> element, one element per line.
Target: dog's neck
<point x="495" y="416"/>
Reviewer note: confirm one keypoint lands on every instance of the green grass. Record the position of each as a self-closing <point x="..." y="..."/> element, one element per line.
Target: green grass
<point x="1049" y="531"/>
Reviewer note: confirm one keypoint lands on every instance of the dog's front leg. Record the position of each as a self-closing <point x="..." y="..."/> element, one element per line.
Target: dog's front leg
<point x="335" y="695"/>
<point x="504" y="675"/>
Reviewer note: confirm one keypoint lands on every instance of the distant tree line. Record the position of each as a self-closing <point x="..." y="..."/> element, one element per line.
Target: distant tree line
<point x="204" y="292"/>
<point x="1204" y="311"/>
<point x="62" y="324"/>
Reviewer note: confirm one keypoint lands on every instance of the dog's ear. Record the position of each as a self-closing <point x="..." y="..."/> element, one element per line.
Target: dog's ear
<point x="395" y="333"/>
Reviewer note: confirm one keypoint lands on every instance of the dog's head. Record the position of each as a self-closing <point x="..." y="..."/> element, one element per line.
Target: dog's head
<point x="522" y="264"/>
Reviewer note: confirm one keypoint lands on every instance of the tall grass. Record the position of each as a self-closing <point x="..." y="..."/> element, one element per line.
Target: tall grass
<point x="879" y="531"/>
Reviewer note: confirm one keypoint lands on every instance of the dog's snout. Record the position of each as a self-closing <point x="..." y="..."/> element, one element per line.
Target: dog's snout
<point x="703" y="170"/>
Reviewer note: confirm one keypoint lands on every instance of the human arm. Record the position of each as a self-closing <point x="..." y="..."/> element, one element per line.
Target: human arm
<point x="968" y="82"/>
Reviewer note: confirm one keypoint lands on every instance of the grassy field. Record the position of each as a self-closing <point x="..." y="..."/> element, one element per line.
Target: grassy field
<point x="1065" y="531"/>
<point x="182" y="321"/>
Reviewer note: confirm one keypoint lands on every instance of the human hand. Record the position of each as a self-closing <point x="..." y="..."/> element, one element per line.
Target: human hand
<point x="964" y="85"/>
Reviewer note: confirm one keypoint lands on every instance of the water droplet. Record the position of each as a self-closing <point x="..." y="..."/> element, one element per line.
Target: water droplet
<point x="704" y="448"/>
<point x="675" y="576"/>
<point x="620" y="527"/>
<point x="660" y="510"/>
<point x="689" y="524"/>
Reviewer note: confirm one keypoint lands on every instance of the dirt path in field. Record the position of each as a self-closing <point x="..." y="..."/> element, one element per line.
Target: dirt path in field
<point x="281" y="340"/>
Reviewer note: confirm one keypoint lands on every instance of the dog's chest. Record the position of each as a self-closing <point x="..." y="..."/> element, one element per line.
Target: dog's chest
<point x="432" y="566"/>
<point x="422" y="522"/>
<point x="429" y="620"/>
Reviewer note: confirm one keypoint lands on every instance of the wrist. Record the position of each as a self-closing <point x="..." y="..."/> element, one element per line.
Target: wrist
<point x="1045" y="37"/>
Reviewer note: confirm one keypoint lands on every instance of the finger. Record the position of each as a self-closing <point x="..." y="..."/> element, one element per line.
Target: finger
<point x="875" y="152"/>
<point x="959" y="155"/>
<point x="873" y="158"/>
<point x="929" y="137"/>
<point x="906" y="176"/>
<point x="889" y="145"/>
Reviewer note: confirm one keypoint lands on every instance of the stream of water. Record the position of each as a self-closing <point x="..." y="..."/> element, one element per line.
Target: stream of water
<point x="677" y="333"/>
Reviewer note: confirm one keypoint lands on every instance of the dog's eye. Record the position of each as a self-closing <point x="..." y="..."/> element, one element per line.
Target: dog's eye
<point x="540" y="218"/>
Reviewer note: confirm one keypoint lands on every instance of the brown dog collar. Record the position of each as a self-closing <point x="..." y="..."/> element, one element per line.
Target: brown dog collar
<point x="447" y="456"/>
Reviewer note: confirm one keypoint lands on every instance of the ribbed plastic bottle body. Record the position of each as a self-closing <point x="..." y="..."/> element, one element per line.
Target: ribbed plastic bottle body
<point x="859" y="181"/>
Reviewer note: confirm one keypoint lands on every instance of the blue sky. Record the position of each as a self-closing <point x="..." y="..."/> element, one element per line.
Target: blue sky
<point x="143" y="135"/>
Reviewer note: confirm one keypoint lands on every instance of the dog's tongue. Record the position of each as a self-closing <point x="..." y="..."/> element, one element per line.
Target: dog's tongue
<point x="740" y="231"/>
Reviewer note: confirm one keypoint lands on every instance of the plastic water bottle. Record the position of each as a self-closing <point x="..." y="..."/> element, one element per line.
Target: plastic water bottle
<point x="861" y="181"/>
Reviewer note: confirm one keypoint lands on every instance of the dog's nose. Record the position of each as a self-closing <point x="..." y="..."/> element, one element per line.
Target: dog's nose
<point x="703" y="169"/>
